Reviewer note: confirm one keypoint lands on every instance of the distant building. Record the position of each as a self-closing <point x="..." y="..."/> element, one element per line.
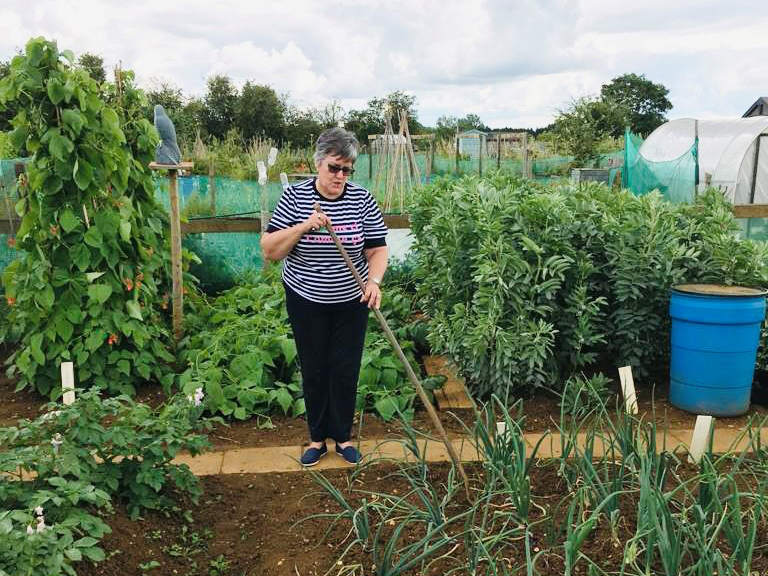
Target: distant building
<point x="470" y="142"/>
<point x="759" y="108"/>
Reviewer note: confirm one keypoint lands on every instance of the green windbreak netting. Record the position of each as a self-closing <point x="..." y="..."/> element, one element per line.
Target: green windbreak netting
<point x="675" y="179"/>
<point x="9" y="195"/>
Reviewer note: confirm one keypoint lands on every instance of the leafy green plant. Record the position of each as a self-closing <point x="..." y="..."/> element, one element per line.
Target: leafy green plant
<point x="242" y="354"/>
<point x="582" y="395"/>
<point x="64" y="467"/>
<point x="95" y="264"/>
<point x="526" y="285"/>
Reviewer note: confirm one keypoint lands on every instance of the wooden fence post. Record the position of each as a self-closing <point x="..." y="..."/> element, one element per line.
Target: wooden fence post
<point x="177" y="291"/>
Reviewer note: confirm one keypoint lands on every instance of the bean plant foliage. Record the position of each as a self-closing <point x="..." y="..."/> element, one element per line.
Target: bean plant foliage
<point x="241" y="352"/>
<point x="89" y="286"/>
<point x="527" y="285"/>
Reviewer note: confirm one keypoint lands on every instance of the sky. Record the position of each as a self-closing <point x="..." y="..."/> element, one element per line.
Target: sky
<point x="514" y="63"/>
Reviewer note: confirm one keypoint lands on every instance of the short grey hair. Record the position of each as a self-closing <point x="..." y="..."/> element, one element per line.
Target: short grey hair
<point x="336" y="142"/>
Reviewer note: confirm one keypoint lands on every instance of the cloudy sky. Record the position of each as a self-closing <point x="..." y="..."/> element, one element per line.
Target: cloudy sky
<point x="512" y="62"/>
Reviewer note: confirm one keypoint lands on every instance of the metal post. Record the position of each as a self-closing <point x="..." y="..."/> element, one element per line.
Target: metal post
<point x="754" y="169"/>
<point x="498" y="151"/>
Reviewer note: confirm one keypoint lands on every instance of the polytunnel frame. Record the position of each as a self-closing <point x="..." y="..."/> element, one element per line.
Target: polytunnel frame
<point x="723" y="153"/>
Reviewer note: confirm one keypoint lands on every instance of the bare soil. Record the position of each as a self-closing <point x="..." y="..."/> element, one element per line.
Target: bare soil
<point x="281" y="524"/>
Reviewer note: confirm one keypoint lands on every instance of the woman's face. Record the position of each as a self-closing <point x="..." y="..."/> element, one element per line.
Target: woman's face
<point x="330" y="174"/>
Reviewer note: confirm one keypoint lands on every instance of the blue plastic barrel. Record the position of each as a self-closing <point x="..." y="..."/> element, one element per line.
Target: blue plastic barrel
<point x="715" y="335"/>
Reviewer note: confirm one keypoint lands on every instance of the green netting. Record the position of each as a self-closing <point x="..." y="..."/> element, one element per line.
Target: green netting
<point x="675" y="179"/>
<point x="8" y="198"/>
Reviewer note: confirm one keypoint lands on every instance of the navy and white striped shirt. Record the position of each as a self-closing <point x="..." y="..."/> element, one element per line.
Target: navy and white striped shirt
<point x="314" y="268"/>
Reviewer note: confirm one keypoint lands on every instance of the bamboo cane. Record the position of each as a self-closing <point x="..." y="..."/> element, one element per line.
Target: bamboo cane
<point x="408" y="369"/>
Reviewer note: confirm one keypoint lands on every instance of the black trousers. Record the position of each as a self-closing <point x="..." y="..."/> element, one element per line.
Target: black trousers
<point x="329" y="341"/>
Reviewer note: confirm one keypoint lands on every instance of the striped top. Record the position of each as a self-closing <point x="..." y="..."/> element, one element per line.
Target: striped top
<point x="314" y="268"/>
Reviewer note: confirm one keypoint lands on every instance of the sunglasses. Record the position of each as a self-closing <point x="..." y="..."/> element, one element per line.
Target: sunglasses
<point x="335" y="169"/>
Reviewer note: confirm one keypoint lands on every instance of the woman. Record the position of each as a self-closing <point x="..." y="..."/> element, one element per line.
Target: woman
<point x="326" y="308"/>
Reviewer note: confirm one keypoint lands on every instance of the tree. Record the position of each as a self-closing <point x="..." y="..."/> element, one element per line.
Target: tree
<point x="301" y="127"/>
<point x="220" y="102"/>
<point x="448" y="126"/>
<point x="171" y="98"/>
<point x="645" y="103"/>
<point x="373" y="119"/>
<point x="94" y="64"/>
<point x="579" y="129"/>
<point x="259" y="112"/>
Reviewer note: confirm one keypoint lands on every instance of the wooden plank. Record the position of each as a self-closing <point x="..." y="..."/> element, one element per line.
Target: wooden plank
<point x="226" y="225"/>
<point x="750" y="210"/>
<point x="454" y="392"/>
<point x="179" y="166"/>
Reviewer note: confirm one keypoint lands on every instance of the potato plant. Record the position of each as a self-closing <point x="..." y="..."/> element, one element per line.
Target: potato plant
<point x="94" y="275"/>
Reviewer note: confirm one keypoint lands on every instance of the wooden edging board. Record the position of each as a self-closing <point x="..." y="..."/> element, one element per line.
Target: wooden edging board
<point x="453" y="394"/>
<point x="393" y="221"/>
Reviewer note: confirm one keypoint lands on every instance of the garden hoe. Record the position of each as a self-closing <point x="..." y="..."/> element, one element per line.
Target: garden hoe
<point x="409" y="370"/>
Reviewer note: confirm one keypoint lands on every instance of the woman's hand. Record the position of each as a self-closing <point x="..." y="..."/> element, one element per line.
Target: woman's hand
<point x="372" y="295"/>
<point x="315" y="221"/>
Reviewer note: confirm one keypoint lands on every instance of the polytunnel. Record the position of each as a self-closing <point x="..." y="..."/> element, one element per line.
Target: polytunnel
<point x="732" y="155"/>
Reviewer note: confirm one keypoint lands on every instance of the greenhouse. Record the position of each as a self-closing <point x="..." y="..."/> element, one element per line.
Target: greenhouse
<point x="688" y="155"/>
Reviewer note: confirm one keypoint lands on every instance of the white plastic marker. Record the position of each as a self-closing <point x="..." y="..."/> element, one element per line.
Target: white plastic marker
<point x="628" y="389"/>
<point x="68" y="382"/>
<point x="701" y="434"/>
<point x="272" y="156"/>
<point x="284" y="180"/>
<point x="262" y="172"/>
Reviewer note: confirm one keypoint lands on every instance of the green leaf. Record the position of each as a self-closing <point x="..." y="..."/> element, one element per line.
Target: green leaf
<point x="60" y="146"/>
<point x="283" y="398"/>
<point x="94" y="237"/>
<point x="124" y="366"/>
<point x="94" y="554"/>
<point x="45" y="297"/>
<point x="34" y="347"/>
<point x="74" y="120"/>
<point x="240" y="413"/>
<point x="100" y="292"/>
<point x="288" y="346"/>
<point x="95" y="340"/>
<point x="299" y="408"/>
<point x="18" y="137"/>
<point x="68" y="220"/>
<point x="125" y="230"/>
<point x="134" y="310"/>
<point x="91" y="276"/>
<point x="386" y="407"/>
<point x="83" y="174"/>
<point x="55" y="90"/>
<point x="64" y="329"/>
<point x="73" y="554"/>
<point x="81" y="256"/>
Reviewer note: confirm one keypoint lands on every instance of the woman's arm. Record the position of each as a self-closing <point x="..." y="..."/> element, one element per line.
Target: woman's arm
<point x="277" y="245"/>
<point x="377" y="264"/>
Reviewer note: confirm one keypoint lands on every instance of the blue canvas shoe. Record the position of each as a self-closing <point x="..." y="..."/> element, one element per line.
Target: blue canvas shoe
<point x="350" y="454"/>
<point x="312" y="456"/>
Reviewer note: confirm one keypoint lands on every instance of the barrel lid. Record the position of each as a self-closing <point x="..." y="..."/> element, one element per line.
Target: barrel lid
<point x="719" y="290"/>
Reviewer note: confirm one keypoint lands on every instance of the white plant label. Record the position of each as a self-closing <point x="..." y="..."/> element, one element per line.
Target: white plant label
<point x="272" y="156"/>
<point x="68" y="382"/>
<point x="700" y="438"/>
<point x="284" y="179"/>
<point x="262" y="172"/>
<point x="628" y="389"/>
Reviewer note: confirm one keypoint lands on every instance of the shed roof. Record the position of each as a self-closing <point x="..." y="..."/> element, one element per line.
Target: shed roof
<point x="473" y="131"/>
<point x="759" y="108"/>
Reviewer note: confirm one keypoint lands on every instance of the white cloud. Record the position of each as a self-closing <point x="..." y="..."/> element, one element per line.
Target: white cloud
<point x="514" y="63"/>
